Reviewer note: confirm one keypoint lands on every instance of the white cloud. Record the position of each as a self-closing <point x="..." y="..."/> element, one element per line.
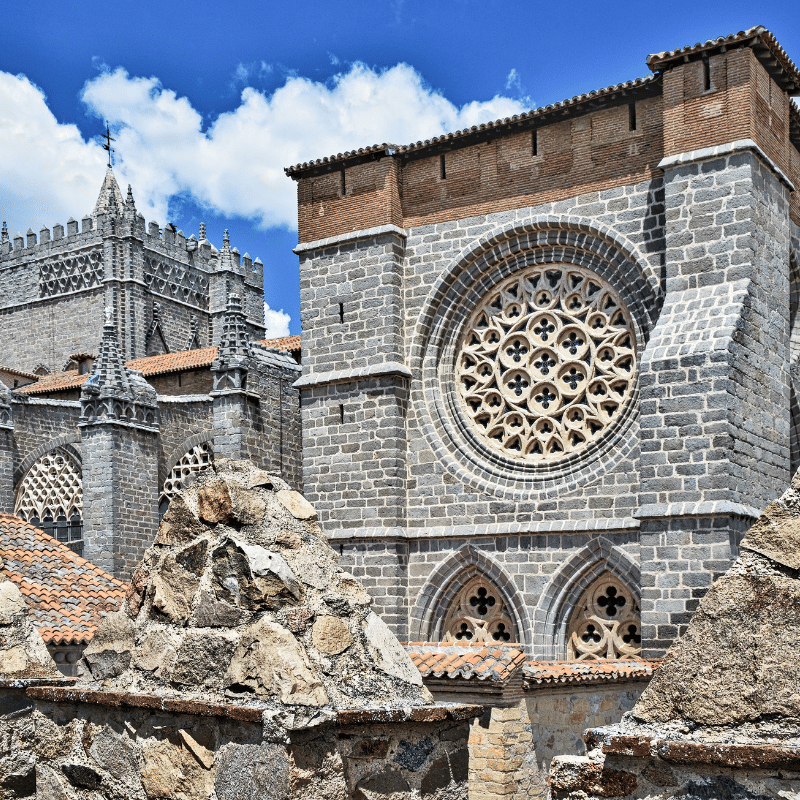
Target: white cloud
<point x="47" y="171"/>
<point x="231" y="164"/>
<point x="235" y="166"/>
<point x="276" y="322"/>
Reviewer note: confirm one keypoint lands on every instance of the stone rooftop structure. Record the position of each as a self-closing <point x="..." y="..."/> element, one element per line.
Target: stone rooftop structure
<point x="243" y="663"/>
<point x="721" y="718"/>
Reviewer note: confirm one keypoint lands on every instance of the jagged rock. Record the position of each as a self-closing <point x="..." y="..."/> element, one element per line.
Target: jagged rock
<point x="253" y="577"/>
<point x="173" y="590"/>
<point x="47" y="784"/>
<point x="22" y="652"/>
<point x="180" y="523"/>
<point x="157" y="651"/>
<point x="389" y="655"/>
<point x="331" y="635"/>
<point x="170" y="770"/>
<point x="239" y="599"/>
<point x="115" y="754"/>
<point x="82" y="776"/>
<point x="269" y="661"/>
<point x="202" y="659"/>
<point x="252" y="772"/>
<point x="212" y="613"/>
<point x="109" y="653"/>
<point x="296" y="504"/>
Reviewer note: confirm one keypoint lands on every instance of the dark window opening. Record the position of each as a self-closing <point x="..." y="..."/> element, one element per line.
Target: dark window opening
<point x="534" y="143"/>
<point x="179" y="379"/>
<point x="442" y="169"/>
<point x="706" y="74"/>
<point x="341" y="312"/>
<point x="632" y="117"/>
<point x="341" y="413"/>
<point x="344" y="183"/>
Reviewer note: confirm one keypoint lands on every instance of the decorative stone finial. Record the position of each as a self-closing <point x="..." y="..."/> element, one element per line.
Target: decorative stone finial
<point x="4" y="234"/>
<point x="202" y="231"/>
<point x="109" y="311"/>
<point x="226" y="239"/>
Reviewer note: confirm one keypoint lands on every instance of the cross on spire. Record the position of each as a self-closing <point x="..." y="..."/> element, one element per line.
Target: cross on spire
<point x="107" y="146"/>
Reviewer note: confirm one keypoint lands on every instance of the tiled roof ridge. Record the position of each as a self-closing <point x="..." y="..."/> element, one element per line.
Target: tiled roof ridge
<point x="22" y="372"/>
<point x="61" y="615"/>
<point x="550" y="673"/>
<point x="506" y="122"/>
<point x="150" y="365"/>
<point x="495" y="662"/>
<point x="658" y="61"/>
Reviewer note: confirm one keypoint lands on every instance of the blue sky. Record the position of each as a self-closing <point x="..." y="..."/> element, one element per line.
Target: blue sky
<point x="209" y="101"/>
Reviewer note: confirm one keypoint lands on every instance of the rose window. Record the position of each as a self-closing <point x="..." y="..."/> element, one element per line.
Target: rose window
<point x="546" y="363"/>
<point x="478" y="614"/>
<point x="606" y="623"/>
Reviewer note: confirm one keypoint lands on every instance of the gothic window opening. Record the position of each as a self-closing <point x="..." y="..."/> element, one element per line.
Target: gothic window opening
<point x="607" y="623"/>
<point x="546" y="363"/>
<point x="478" y="614"/>
<point x="50" y="497"/>
<point x="196" y="460"/>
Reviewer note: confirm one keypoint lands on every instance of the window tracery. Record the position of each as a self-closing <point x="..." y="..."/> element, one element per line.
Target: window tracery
<point x="478" y="614"/>
<point x="546" y="363"/>
<point x="197" y="459"/>
<point x="606" y="623"/>
<point x="50" y="497"/>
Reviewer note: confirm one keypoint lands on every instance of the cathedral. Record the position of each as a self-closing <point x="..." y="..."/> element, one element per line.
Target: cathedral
<point x="132" y="356"/>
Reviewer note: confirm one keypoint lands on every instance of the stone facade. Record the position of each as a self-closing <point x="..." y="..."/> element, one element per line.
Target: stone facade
<point x="670" y="198"/>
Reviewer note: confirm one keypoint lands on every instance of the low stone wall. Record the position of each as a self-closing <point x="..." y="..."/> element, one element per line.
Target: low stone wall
<point x="60" y="742"/>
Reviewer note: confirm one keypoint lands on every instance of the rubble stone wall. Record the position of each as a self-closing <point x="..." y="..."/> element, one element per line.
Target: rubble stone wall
<point x="77" y="750"/>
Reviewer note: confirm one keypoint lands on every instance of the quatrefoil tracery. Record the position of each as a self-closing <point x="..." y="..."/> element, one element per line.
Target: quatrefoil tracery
<point x="546" y="362"/>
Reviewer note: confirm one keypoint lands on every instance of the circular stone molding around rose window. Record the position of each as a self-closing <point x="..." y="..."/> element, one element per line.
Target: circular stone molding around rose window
<point x="536" y="377"/>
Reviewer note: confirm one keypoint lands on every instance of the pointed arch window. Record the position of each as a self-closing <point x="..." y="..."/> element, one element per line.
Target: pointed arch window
<point x="50" y="497"/>
<point x="606" y="623"/>
<point x="479" y="614"/>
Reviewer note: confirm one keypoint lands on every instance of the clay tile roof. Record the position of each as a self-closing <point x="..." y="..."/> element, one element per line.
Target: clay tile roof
<point x="763" y="42"/>
<point x="470" y="661"/>
<point x="552" y="673"/>
<point x="55" y="382"/>
<point x="151" y="365"/>
<point x="286" y="344"/>
<point x="528" y="119"/>
<point x="30" y="375"/>
<point x="67" y="594"/>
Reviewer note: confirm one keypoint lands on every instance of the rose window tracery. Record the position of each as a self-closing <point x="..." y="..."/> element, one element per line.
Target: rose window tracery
<point x="546" y="363"/>
<point x="606" y="623"/>
<point x="478" y="614"/>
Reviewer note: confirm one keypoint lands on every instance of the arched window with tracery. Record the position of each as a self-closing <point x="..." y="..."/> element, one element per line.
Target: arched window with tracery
<point x="196" y="460"/>
<point x="50" y="496"/>
<point x="606" y="623"/>
<point x="478" y="614"/>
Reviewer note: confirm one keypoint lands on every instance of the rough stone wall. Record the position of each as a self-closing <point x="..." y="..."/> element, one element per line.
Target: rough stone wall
<point x="52" y="749"/>
<point x="120" y="495"/>
<point x="197" y="381"/>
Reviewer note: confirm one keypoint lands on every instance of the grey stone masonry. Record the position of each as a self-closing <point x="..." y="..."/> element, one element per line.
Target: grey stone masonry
<point x="416" y="504"/>
<point x="53" y="291"/>
<point x="119" y="447"/>
<point x="715" y="414"/>
<point x="6" y="452"/>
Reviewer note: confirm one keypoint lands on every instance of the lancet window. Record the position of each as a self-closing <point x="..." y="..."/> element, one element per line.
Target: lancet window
<point x="607" y="623"/>
<point x="50" y="497"/>
<point x="478" y="614"/>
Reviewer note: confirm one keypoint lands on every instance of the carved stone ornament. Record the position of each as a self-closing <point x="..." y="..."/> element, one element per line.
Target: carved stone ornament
<point x="478" y="614"/>
<point x="52" y="486"/>
<point x="546" y="363"/>
<point x="197" y="459"/>
<point x="606" y="623"/>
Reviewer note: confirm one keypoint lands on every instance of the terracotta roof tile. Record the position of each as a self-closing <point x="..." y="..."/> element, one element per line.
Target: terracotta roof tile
<point x="151" y="365"/>
<point x="30" y="375"/>
<point x="466" y="661"/>
<point x="766" y="48"/>
<point x="551" y="673"/>
<point x="67" y="594"/>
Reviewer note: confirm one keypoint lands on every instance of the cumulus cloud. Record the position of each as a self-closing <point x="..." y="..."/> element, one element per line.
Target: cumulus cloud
<point x="231" y="164"/>
<point x="235" y="165"/>
<point x="47" y="171"/>
<point x="276" y="322"/>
